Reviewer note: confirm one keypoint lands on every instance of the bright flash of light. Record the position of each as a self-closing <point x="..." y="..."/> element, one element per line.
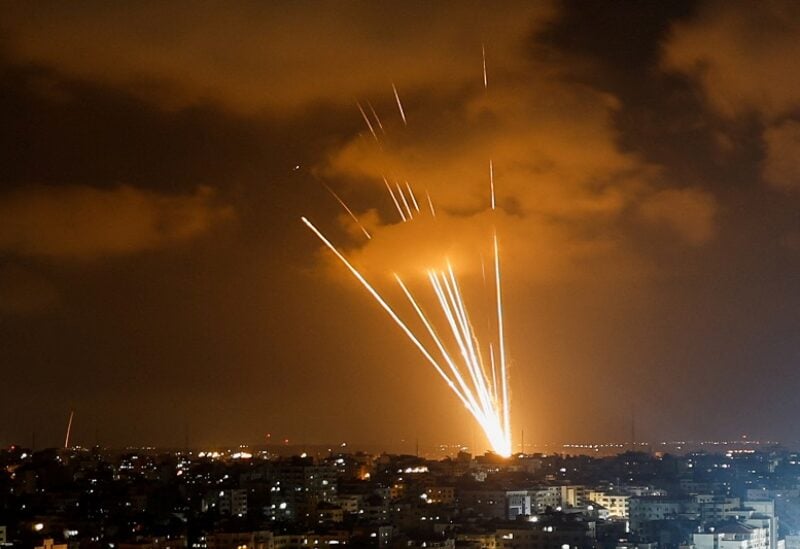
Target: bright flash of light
<point x="452" y="347"/>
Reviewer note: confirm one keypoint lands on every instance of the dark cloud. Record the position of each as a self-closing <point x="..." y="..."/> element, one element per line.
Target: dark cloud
<point x="742" y="59"/>
<point x="83" y="222"/>
<point x="782" y="161"/>
<point x="741" y="56"/>
<point x="24" y="291"/>
<point x="689" y="212"/>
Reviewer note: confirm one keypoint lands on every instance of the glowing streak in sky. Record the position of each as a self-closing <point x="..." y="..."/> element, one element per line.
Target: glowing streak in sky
<point x="491" y="182"/>
<point x="386" y="308"/>
<point x="348" y="210"/>
<point x="399" y="105"/>
<point x="503" y="372"/>
<point x="437" y="340"/>
<point x="405" y="202"/>
<point x="485" y="79"/>
<point x="494" y="370"/>
<point x="366" y="119"/>
<point x="413" y="198"/>
<point x="430" y="203"/>
<point x="69" y="428"/>
<point x="394" y="199"/>
<point x="377" y="118"/>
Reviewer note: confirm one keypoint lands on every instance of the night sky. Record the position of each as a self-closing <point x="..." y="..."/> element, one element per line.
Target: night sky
<point x="156" y="158"/>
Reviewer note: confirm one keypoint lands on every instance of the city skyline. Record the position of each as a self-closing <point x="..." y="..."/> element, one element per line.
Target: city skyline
<point x="156" y="160"/>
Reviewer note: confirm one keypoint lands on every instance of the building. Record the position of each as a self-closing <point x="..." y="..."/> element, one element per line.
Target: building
<point x="261" y="539"/>
<point x="618" y="505"/>
<point x="545" y="497"/>
<point x="713" y="508"/>
<point x="652" y="508"/>
<point x="158" y="542"/>
<point x="545" y="536"/>
<point x="441" y="494"/>
<point x="49" y="543"/>
<point x="328" y="512"/>
<point x="732" y="535"/>
<point x="518" y="503"/>
<point x="485" y="503"/>
<point x="233" y="502"/>
<point x="759" y="513"/>
<point x="300" y="485"/>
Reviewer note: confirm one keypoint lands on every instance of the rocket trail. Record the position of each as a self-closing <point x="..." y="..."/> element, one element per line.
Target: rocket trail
<point x="491" y="183"/>
<point x="430" y="203"/>
<point x="501" y="336"/>
<point x="399" y="105"/>
<point x="394" y="199"/>
<point x="405" y="202"/>
<point x="485" y="79"/>
<point x="475" y="387"/>
<point x="438" y="342"/>
<point x="413" y="198"/>
<point x="69" y="428"/>
<point x="366" y="119"/>
<point x="386" y="308"/>
<point x="347" y="209"/>
<point x="494" y="372"/>
<point x="376" y="117"/>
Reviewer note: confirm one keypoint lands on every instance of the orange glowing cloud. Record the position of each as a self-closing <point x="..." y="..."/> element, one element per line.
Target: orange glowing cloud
<point x="276" y="56"/>
<point x="564" y="187"/>
<point x="85" y="222"/>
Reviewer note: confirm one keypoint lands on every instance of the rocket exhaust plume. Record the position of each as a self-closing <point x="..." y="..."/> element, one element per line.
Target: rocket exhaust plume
<point x="478" y="379"/>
